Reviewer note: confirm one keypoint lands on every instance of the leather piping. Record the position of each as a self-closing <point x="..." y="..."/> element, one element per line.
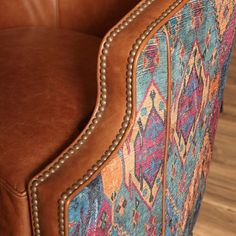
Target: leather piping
<point x="10" y="189"/>
<point x="168" y="125"/>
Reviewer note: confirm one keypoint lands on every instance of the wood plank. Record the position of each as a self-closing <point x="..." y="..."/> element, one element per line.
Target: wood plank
<point x="218" y="212"/>
<point x="215" y="221"/>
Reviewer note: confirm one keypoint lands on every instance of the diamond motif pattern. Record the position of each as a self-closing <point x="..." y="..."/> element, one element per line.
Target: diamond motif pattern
<point x="189" y="105"/>
<point x="149" y="146"/>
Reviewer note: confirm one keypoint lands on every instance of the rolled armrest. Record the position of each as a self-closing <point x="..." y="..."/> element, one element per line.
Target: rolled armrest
<point x="113" y="116"/>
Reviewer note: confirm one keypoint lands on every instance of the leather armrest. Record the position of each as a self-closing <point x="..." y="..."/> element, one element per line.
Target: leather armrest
<point x="113" y="116"/>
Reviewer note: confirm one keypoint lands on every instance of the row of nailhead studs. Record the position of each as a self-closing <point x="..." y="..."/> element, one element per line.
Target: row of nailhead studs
<point x="125" y="123"/>
<point x="126" y="118"/>
<point x="98" y="115"/>
<point x="136" y="46"/>
<point x="84" y="137"/>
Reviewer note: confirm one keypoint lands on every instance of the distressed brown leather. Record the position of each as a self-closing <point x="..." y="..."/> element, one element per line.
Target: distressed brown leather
<point x="15" y="219"/>
<point x="14" y="13"/>
<point x="86" y="16"/>
<point x="48" y="92"/>
<point x="93" y="17"/>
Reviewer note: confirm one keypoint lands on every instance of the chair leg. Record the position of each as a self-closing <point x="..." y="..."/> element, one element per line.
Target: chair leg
<point x="222" y="107"/>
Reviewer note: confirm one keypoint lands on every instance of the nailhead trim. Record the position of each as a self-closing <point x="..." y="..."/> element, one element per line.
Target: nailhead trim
<point x="56" y="165"/>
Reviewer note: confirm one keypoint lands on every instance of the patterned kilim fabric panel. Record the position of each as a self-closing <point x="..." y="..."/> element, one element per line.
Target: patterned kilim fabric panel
<point x="127" y="197"/>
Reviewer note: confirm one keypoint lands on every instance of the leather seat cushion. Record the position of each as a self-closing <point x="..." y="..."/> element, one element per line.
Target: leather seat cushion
<point x="48" y="92"/>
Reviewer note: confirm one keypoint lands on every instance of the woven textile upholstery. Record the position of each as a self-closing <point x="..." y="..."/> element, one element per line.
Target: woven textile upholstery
<point x="127" y="197"/>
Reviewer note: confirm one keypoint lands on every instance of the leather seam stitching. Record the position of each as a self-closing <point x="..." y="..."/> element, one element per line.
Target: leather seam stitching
<point x="11" y="189"/>
<point x="57" y="13"/>
<point x="168" y="125"/>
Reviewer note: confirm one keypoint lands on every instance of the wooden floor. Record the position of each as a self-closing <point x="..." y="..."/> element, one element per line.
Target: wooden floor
<point x="218" y="213"/>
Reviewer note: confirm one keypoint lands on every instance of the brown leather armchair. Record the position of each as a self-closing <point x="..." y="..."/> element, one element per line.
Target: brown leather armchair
<point x="68" y="101"/>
